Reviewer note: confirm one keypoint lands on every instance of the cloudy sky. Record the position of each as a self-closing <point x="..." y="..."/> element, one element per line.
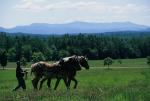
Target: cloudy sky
<point x="25" y="12"/>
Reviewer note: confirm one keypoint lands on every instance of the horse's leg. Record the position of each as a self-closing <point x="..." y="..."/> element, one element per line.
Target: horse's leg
<point x="66" y="83"/>
<point x="35" y="82"/>
<point x="49" y="83"/>
<point x="76" y="82"/>
<point x="41" y="82"/>
<point x="71" y="77"/>
<point x="69" y="81"/>
<point x="57" y="82"/>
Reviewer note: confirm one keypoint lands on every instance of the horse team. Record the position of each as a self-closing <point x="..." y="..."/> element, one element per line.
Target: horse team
<point x="65" y="68"/>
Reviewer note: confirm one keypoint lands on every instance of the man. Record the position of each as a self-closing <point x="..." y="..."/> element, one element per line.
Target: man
<point x="19" y="76"/>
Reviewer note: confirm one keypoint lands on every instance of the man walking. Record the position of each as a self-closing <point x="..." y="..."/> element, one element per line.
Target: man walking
<point x="19" y="76"/>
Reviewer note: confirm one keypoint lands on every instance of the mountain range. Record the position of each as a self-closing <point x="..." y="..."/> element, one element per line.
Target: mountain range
<point x="76" y="27"/>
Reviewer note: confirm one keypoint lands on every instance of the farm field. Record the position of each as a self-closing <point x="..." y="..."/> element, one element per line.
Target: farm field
<point x="140" y="62"/>
<point x="97" y="84"/>
<point x="126" y="63"/>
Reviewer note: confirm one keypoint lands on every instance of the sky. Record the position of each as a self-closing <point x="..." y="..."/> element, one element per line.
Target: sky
<point x="24" y="12"/>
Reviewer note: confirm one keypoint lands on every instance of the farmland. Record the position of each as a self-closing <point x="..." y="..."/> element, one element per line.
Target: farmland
<point x="96" y="84"/>
<point x="133" y="63"/>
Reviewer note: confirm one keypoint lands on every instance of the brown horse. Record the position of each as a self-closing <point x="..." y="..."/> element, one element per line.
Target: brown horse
<point x="69" y="66"/>
<point x="41" y="68"/>
<point x="71" y="71"/>
<point x="71" y="75"/>
<point x="46" y="71"/>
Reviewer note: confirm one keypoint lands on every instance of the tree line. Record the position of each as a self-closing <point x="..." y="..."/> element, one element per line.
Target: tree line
<point x="54" y="47"/>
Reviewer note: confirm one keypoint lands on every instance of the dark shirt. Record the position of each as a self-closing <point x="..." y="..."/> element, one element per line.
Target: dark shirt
<point x="19" y="72"/>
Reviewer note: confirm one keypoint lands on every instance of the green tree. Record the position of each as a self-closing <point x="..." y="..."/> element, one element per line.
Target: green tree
<point x="38" y="56"/>
<point x="27" y="52"/>
<point x="148" y="60"/>
<point x="18" y="47"/>
<point x="12" y="54"/>
<point x="95" y="46"/>
<point x="63" y="53"/>
<point x="93" y="54"/>
<point x="3" y="59"/>
<point x="23" y="61"/>
<point x="48" y="54"/>
<point x="108" y="61"/>
<point x="55" y="52"/>
<point x="73" y="50"/>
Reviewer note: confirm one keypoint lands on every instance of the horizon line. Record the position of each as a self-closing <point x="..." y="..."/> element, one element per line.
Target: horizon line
<point x="68" y="22"/>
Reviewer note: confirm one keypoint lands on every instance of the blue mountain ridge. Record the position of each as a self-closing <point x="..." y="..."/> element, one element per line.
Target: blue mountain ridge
<point x="76" y="27"/>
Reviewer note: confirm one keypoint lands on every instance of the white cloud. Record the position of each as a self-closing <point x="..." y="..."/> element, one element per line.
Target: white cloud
<point x="86" y="10"/>
<point x="90" y="6"/>
<point x="73" y="5"/>
<point x="29" y="5"/>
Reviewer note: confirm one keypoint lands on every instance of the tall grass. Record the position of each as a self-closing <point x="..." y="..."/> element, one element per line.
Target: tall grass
<point x="93" y="85"/>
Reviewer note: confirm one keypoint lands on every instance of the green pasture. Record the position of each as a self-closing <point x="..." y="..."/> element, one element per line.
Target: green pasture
<point x="97" y="84"/>
<point x="126" y="63"/>
<point x="140" y="62"/>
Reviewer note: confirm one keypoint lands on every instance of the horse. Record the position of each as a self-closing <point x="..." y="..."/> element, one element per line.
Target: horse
<point x="69" y="65"/>
<point x="71" y="72"/>
<point x="43" y="70"/>
<point x="40" y="68"/>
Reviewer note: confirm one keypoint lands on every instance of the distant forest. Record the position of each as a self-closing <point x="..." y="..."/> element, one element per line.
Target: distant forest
<point x="95" y="46"/>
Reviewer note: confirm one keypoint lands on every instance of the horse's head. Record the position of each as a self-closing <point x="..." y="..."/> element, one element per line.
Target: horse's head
<point x="70" y="62"/>
<point x="83" y="62"/>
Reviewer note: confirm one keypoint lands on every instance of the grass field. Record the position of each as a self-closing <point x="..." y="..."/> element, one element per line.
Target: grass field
<point x="97" y="84"/>
<point x="141" y="62"/>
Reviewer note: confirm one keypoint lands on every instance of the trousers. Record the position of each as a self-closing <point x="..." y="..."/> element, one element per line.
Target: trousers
<point x="21" y="83"/>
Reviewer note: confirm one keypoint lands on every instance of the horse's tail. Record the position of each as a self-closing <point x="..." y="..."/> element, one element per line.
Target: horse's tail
<point x="32" y="69"/>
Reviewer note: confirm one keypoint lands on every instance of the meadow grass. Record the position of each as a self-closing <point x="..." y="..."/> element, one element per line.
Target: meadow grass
<point x="139" y="62"/>
<point x="96" y="84"/>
